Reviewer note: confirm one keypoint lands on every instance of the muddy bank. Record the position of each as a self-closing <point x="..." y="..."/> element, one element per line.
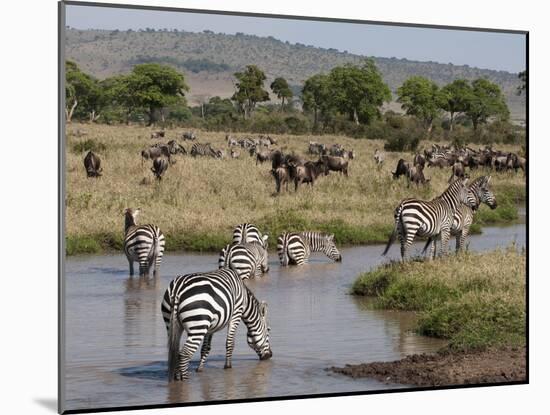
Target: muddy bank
<point x="445" y="368"/>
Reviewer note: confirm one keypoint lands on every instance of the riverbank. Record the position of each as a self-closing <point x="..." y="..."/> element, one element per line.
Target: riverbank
<point x="200" y="200"/>
<point x="475" y="301"/>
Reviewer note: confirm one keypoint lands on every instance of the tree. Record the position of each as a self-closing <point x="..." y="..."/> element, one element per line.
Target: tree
<point x="316" y="96"/>
<point x="455" y="98"/>
<point x="153" y="86"/>
<point x="420" y="98"/>
<point x="83" y="93"/>
<point x="523" y="79"/>
<point x="486" y="101"/>
<point x="280" y="88"/>
<point x="250" y="89"/>
<point x="118" y="93"/>
<point x="359" y="91"/>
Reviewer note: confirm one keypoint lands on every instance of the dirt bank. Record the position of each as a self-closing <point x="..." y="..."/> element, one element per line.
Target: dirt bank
<point x="445" y="368"/>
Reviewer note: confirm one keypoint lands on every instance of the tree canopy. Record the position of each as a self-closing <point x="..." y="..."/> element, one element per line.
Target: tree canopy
<point x="250" y="89"/>
<point x="455" y="98"/>
<point x="486" y="101"/>
<point x="83" y="94"/>
<point x="316" y="97"/>
<point x="421" y="98"/>
<point x="280" y="88"/>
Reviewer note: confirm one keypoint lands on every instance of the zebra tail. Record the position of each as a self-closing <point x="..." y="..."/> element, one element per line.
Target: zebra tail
<point x="174" y="335"/>
<point x="394" y="233"/>
<point x="426" y="246"/>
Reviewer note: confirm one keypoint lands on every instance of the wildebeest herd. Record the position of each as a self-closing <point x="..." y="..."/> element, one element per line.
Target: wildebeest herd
<point x="190" y="299"/>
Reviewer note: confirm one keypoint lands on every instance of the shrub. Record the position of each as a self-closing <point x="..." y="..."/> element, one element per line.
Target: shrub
<point x="88" y="145"/>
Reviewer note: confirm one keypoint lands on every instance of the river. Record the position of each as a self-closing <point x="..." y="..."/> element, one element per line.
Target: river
<point x="116" y="340"/>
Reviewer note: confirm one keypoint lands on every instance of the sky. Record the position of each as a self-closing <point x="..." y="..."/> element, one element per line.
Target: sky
<point x="488" y="50"/>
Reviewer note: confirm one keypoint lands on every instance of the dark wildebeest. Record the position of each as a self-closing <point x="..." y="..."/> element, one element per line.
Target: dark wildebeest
<point x="157" y="134"/>
<point x="92" y="164"/>
<point x="419" y="160"/>
<point x="160" y="165"/>
<point x="277" y="159"/>
<point x="263" y="156"/>
<point x="155" y="152"/>
<point x="416" y="175"/>
<point x="189" y="135"/>
<point x="402" y="169"/>
<point x="500" y="163"/>
<point x="294" y="160"/>
<point x="316" y="148"/>
<point x="282" y="177"/>
<point x="307" y="173"/>
<point x="457" y="171"/>
<point x="334" y="163"/>
<point x="336" y="150"/>
<point x="513" y="161"/>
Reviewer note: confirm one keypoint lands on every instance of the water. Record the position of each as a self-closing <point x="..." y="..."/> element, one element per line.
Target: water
<point x="116" y="339"/>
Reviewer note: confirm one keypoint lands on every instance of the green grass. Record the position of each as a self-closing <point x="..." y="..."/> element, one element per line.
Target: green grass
<point x="473" y="300"/>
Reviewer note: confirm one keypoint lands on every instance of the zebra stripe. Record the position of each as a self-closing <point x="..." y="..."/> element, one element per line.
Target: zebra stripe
<point x="428" y="218"/>
<point x="478" y="192"/>
<point x="204" y="303"/>
<point x="294" y="248"/>
<point x="248" y="260"/>
<point x="142" y="243"/>
<point x="201" y="149"/>
<point x="249" y="233"/>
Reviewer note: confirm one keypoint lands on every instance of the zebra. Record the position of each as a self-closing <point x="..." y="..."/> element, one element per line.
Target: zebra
<point x="142" y="243"/>
<point x="247" y="259"/>
<point x="478" y="193"/>
<point x="294" y="248"/>
<point x="428" y="218"/>
<point x="204" y="303"/>
<point x="248" y="232"/>
<point x="202" y="149"/>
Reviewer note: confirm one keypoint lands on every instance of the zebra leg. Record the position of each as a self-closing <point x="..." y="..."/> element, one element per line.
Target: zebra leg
<point x="205" y="351"/>
<point x="188" y="350"/>
<point x="230" y="342"/>
<point x="459" y="241"/>
<point x="445" y="236"/>
<point x="131" y="265"/>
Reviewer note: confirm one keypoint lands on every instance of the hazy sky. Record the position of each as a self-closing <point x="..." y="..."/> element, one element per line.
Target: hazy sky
<point x="500" y="51"/>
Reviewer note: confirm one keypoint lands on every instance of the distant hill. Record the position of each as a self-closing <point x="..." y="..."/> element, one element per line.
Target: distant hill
<point x="209" y="61"/>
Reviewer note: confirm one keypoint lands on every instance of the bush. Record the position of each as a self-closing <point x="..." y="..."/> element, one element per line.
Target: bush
<point x="88" y="145"/>
<point x="404" y="140"/>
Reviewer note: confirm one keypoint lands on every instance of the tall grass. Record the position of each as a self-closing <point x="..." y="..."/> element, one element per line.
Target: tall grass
<point x="474" y="300"/>
<point x="200" y="200"/>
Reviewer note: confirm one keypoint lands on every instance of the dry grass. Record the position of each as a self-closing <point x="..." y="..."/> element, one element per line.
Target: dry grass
<point x="200" y="200"/>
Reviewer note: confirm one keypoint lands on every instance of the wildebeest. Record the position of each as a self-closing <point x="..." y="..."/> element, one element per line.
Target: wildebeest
<point x="416" y="175"/>
<point x="263" y="156"/>
<point x="379" y="157"/>
<point x="457" y="171"/>
<point x="154" y="152"/>
<point x="281" y="174"/>
<point x="160" y="165"/>
<point x="316" y="148"/>
<point x="334" y="163"/>
<point x="402" y="169"/>
<point x="419" y="160"/>
<point x="294" y="160"/>
<point x="307" y="173"/>
<point x="277" y="159"/>
<point x="189" y="135"/>
<point x="92" y="164"/>
<point x="157" y="134"/>
<point x="349" y="154"/>
<point x="513" y="161"/>
<point x="336" y="150"/>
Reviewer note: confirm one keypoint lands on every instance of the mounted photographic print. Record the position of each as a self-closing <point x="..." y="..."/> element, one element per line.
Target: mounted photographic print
<point x="259" y="207"/>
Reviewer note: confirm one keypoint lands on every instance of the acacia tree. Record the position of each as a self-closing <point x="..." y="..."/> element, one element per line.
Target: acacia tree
<point x="359" y="91"/>
<point x="280" y="88"/>
<point x="316" y="97"/>
<point x="153" y="87"/>
<point x="455" y="98"/>
<point x="250" y="89"/>
<point x="420" y="98"/>
<point x="486" y="101"/>
<point x="83" y="93"/>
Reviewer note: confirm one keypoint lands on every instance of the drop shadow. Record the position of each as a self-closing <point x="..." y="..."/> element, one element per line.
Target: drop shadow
<point x="48" y="403"/>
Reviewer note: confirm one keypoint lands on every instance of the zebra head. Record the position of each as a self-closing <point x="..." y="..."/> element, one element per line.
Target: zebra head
<point x="480" y="188"/>
<point x="257" y="336"/>
<point x="330" y="249"/>
<point x="130" y="217"/>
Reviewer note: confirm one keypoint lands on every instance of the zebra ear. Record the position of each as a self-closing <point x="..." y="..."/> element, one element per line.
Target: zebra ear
<point x="263" y="308"/>
<point x="265" y="238"/>
<point x="331" y="237"/>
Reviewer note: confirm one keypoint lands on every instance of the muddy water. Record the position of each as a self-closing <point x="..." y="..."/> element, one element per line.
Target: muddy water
<point x="116" y="340"/>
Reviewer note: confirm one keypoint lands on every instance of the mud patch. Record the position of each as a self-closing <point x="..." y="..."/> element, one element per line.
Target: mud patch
<point x="445" y="368"/>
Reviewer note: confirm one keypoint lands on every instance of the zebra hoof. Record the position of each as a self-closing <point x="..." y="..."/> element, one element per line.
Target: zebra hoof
<point x="199" y="369"/>
<point x="227" y="366"/>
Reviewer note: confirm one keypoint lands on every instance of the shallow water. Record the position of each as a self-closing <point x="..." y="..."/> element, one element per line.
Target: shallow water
<point x="116" y="340"/>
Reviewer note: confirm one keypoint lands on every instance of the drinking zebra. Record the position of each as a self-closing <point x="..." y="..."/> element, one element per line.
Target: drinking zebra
<point x="478" y="193"/>
<point x="142" y="243"/>
<point x="294" y="248"/>
<point x="204" y="303"/>
<point x="428" y="218"/>
<point x="247" y="232"/>
<point x="247" y="259"/>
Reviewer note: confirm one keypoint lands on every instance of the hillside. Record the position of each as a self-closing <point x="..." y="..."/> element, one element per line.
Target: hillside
<point x="209" y="60"/>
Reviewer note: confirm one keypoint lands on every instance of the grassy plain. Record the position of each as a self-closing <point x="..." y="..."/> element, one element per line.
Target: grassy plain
<point x="200" y="200"/>
<point x="473" y="300"/>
